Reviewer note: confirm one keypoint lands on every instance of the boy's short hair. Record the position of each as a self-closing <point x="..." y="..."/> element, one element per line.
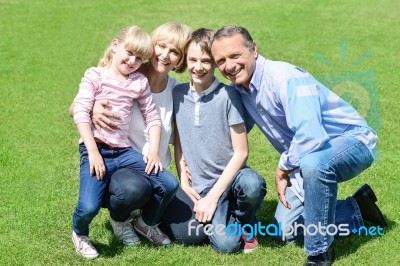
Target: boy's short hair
<point x="202" y="37"/>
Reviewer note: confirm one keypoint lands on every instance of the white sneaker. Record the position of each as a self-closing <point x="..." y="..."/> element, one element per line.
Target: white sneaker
<point x="152" y="233"/>
<point x="135" y="214"/>
<point x="124" y="232"/>
<point x="84" y="247"/>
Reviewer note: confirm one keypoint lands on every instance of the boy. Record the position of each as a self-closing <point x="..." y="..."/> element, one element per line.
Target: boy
<point x="210" y="132"/>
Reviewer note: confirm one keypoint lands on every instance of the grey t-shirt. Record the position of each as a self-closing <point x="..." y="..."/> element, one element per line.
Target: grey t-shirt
<point x="203" y="123"/>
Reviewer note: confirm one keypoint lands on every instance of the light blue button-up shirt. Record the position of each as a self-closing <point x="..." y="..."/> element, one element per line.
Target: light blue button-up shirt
<point x="298" y="114"/>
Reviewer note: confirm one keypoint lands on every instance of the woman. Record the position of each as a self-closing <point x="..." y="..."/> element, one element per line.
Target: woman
<point x="129" y="190"/>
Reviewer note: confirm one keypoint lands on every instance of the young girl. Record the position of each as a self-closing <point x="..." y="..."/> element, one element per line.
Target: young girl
<point x="104" y="151"/>
<point x="127" y="190"/>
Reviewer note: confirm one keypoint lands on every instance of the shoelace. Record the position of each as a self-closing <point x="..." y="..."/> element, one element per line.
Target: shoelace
<point x="85" y="242"/>
<point x="129" y="232"/>
<point x="154" y="230"/>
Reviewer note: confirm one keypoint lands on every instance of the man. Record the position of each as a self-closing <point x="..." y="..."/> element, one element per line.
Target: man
<point x="321" y="138"/>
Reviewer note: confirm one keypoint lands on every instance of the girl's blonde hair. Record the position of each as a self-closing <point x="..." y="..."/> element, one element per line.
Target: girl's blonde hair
<point x="135" y="40"/>
<point x="176" y="34"/>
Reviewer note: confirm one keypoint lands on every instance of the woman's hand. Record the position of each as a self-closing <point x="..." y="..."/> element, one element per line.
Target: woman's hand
<point x="101" y="116"/>
<point x="187" y="170"/>
<point x="193" y="195"/>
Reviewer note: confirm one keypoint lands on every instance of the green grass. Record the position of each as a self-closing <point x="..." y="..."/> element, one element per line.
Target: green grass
<point x="45" y="46"/>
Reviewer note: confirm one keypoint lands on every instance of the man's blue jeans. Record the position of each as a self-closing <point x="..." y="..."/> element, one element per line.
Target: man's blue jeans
<point x="91" y="190"/>
<point x="339" y="160"/>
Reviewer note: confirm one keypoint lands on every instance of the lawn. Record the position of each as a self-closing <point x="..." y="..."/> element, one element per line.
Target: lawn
<point x="45" y="47"/>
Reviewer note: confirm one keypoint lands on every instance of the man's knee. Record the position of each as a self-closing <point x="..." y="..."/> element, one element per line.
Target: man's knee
<point x="312" y="161"/>
<point x="287" y="232"/>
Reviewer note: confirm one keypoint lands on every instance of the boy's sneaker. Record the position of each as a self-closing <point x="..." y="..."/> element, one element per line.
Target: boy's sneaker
<point x="84" y="247"/>
<point x="124" y="232"/>
<point x="152" y="233"/>
<point x="249" y="245"/>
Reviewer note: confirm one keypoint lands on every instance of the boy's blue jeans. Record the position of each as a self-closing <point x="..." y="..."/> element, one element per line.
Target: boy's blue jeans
<point x="238" y="204"/>
<point x="339" y="160"/>
<point x="91" y="190"/>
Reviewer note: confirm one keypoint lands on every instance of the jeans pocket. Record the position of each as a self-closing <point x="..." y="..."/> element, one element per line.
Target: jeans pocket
<point x="83" y="154"/>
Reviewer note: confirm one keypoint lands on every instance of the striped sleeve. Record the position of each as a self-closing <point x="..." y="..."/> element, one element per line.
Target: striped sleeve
<point x="84" y="100"/>
<point x="147" y="106"/>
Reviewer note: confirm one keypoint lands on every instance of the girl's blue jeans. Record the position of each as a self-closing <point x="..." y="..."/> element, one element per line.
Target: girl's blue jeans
<point x="91" y="191"/>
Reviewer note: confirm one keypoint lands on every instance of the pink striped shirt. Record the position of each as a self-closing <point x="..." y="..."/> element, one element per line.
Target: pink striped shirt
<point x="96" y="85"/>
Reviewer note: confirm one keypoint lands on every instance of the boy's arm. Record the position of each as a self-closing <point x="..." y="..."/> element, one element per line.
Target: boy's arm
<point x="206" y="206"/>
<point x="95" y="159"/>
<point x="151" y="158"/>
<point x="181" y="168"/>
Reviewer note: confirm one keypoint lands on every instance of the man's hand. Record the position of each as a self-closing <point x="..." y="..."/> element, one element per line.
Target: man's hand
<point x="205" y="209"/>
<point x="282" y="181"/>
<point x="101" y="116"/>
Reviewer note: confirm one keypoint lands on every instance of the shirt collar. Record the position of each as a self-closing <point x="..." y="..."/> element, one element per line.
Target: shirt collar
<point x="210" y="89"/>
<point x="255" y="82"/>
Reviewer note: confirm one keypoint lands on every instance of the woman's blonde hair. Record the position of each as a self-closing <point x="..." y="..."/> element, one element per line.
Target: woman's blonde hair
<point x="176" y="34"/>
<point x="135" y="40"/>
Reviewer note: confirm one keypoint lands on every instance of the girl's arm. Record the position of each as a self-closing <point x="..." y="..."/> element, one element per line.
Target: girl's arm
<point x="181" y="168"/>
<point x="151" y="158"/>
<point x="71" y="109"/>
<point x="206" y="206"/>
<point x="95" y="159"/>
<point x="82" y="106"/>
<point x="153" y="124"/>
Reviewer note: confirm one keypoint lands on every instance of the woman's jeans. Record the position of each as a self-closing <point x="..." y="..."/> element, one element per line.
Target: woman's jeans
<point x="238" y="204"/>
<point x="91" y="191"/>
<point x="127" y="191"/>
<point x="339" y="160"/>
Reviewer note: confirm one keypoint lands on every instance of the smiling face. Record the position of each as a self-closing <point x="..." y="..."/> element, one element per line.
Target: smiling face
<point x="235" y="60"/>
<point x="124" y="61"/>
<point x="166" y="56"/>
<point x="200" y="66"/>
